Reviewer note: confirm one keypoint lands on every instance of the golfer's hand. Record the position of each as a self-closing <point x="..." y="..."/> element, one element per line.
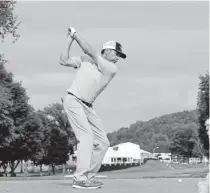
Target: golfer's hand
<point x="71" y="31"/>
<point x="69" y="38"/>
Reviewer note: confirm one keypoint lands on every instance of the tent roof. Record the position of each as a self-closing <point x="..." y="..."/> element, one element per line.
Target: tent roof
<point x="127" y="149"/>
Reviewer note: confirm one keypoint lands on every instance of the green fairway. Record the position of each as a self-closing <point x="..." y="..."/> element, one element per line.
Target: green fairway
<point x="149" y="178"/>
<point x="111" y="185"/>
<point x="152" y="169"/>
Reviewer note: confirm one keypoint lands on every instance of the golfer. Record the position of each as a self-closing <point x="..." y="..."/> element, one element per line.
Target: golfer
<point x="95" y="71"/>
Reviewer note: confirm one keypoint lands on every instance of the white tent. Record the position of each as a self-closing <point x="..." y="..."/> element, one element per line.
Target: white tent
<point x="125" y="153"/>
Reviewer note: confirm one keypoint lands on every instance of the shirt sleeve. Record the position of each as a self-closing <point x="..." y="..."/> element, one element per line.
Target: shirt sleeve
<point x="105" y="66"/>
<point x="87" y="58"/>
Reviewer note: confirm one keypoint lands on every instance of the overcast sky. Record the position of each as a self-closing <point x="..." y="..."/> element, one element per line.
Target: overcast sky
<point x="166" y="45"/>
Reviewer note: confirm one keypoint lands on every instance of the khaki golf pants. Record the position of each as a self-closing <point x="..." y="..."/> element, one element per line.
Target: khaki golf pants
<point x="93" y="142"/>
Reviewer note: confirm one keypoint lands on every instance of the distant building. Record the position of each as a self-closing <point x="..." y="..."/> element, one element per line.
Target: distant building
<point x="165" y="157"/>
<point x="125" y="153"/>
<point x="162" y="153"/>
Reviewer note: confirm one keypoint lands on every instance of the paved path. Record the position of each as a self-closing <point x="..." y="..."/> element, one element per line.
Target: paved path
<point x="158" y="185"/>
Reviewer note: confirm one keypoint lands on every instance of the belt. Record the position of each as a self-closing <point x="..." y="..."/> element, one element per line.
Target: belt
<point x="86" y="103"/>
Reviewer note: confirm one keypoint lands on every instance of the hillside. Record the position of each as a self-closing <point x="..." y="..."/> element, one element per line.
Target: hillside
<point x="156" y="132"/>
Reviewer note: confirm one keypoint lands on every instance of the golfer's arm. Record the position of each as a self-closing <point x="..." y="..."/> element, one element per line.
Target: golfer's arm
<point x="68" y="63"/>
<point x="86" y="47"/>
<point x="65" y="60"/>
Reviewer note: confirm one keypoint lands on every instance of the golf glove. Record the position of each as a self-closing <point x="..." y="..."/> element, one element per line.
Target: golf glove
<point x="71" y="31"/>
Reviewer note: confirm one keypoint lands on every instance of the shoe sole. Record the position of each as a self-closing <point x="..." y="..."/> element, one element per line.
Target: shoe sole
<point x="82" y="187"/>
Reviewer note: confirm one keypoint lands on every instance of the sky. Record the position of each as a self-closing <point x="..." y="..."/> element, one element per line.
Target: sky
<point x="166" y="45"/>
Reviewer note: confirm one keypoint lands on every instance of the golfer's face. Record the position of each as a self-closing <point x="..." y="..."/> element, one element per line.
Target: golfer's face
<point x="113" y="56"/>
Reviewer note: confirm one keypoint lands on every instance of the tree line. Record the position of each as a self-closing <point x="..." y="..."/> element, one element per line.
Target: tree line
<point x="43" y="136"/>
<point x="182" y="133"/>
<point x="175" y="133"/>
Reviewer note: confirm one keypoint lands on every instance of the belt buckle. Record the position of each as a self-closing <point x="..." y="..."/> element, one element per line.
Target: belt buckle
<point x="89" y="104"/>
<point x="86" y="103"/>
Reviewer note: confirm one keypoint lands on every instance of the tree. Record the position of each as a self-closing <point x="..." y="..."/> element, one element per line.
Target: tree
<point x="8" y="21"/>
<point x="31" y="136"/>
<point x="5" y="120"/>
<point x="203" y="110"/>
<point x="155" y="132"/>
<point x="5" y="102"/>
<point x="42" y="151"/>
<point x="182" y="142"/>
<point x="59" y="119"/>
<point x="6" y="123"/>
<point x="57" y="150"/>
<point x="17" y="113"/>
<point x="8" y="25"/>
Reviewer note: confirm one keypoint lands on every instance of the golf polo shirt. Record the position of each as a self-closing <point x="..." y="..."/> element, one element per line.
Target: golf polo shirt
<point x="91" y="79"/>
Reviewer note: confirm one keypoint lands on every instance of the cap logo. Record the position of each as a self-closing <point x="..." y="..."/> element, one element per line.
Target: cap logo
<point x="118" y="47"/>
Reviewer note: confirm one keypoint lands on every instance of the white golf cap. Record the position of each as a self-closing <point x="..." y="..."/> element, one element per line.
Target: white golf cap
<point x="114" y="46"/>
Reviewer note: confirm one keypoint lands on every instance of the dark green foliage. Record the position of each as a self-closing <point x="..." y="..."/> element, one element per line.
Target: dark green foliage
<point x="14" y="112"/>
<point x="203" y="110"/>
<point x="58" y="119"/>
<point x="58" y="138"/>
<point x="182" y="142"/>
<point x="160" y="132"/>
<point x="8" y="21"/>
<point x="57" y="150"/>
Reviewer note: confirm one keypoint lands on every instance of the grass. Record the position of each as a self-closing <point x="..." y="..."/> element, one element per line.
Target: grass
<point x="151" y="169"/>
<point x="156" y="169"/>
<point x="157" y="166"/>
